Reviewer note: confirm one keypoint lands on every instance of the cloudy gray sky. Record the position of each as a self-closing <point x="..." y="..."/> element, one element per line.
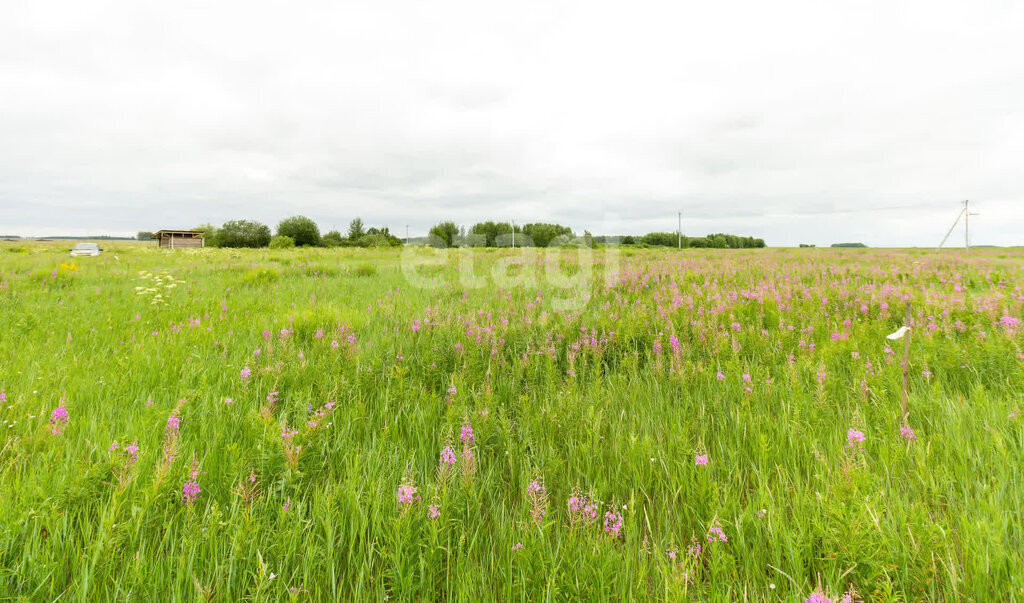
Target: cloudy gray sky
<point x="795" y="121"/>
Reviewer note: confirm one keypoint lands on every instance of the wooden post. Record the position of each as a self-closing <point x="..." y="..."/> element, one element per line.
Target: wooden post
<point x="906" y="362"/>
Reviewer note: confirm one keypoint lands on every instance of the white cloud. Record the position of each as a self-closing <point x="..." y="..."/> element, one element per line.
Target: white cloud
<point x="794" y="121"/>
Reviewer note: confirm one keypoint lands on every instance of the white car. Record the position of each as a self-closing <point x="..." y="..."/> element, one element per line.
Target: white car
<point x="89" y="249"/>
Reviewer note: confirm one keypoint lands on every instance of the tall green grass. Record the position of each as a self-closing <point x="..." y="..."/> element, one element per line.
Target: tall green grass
<point x="590" y="397"/>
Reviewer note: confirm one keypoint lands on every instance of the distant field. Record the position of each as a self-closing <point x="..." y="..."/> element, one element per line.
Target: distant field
<point x="356" y="424"/>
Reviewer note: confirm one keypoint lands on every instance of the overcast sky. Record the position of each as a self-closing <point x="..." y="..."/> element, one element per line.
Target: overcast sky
<point x="812" y="121"/>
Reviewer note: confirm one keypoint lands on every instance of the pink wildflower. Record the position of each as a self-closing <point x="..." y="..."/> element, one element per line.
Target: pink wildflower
<point x="59" y="418"/>
<point x="467" y="433"/>
<point x="190" y="492"/>
<point x="447" y="456"/>
<point x="612" y="524"/>
<point x="407" y="494"/>
<point x="716" y="534"/>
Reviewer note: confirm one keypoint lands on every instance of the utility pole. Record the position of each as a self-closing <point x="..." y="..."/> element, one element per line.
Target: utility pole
<point x="513" y="234"/>
<point x="967" y="227"/>
<point x="680" y="231"/>
<point x="406" y="234"/>
<point x="964" y="213"/>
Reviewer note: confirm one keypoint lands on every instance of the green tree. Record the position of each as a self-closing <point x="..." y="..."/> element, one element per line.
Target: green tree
<point x="542" y="233"/>
<point x="446" y="232"/>
<point x="355" y="229"/>
<point x="143" y="235"/>
<point x="244" y="233"/>
<point x="300" y="229"/>
<point x="210" y="234"/>
<point x="660" y="239"/>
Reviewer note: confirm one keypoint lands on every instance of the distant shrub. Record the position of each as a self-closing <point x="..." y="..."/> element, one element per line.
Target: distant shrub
<point x="365" y="270"/>
<point x="302" y="230"/>
<point x="211" y="234"/>
<point x="333" y="239"/>
<point x="261" y="276"/>
<point x="18" y="249"/>
<point x="374" y="240"/>
<point x="244" y="233"/>
<point x="281" y="242"/>
<point x="855" y="245"/>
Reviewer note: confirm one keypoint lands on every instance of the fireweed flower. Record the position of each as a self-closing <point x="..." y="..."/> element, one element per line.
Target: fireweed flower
<point x="1009" y="322"/>
<point x="854" y="437"/>
<point x="467" y="433"/>
<point x="715" y="534"/>
<point x="581" y="510"/>
<point x="190" y="492"/>
<point x="700" y="459"/>
<point x="517" y="547"/>
<point x="173" y="426"/>
<point x="537" y="494"/>
<point x="59" y="418"/>
<point x="447" y="457"/>
<point x="612" y="524"/>
<point x="406" y="496"/>
<point x="433" y="512"/>
<point x="907" y="433"/>
<point x="245" y="373"/>
<point x="452" y="391"/>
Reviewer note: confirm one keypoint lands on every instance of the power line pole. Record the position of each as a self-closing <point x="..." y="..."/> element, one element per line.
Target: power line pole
<point x="513" y="234"/>
<point x="967" y="229"/>
<point x="964" y="213"/>
<point x="680" y="231"/>
<point x="406" y="234"/>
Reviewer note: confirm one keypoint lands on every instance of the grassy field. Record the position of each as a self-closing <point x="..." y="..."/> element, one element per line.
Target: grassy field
<point x="354" y="425"/>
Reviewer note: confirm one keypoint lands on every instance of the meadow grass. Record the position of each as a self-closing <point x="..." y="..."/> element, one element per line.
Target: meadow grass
<point x="280" y="399"/>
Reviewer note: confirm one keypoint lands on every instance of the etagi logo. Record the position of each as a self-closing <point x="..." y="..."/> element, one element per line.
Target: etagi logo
<point x="568" y="269"/>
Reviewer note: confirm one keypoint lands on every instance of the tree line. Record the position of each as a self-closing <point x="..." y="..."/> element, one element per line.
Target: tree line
<point x="300" y="231"/>
<point x="296" y="231"/>
<point x="539" y="234"/>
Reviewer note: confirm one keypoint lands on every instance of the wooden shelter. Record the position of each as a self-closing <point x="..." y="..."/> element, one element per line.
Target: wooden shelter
<point x="179" y="239"/>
